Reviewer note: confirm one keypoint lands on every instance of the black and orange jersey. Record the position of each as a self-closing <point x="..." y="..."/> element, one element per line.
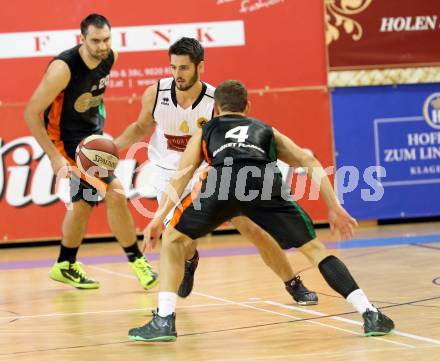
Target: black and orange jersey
<point x="245" y="140"/>
<point x="78" y="111"/>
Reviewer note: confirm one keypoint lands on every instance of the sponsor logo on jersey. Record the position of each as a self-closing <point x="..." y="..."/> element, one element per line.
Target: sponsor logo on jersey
<point x="165" y="101"/>
<point x="201" y="122"/>
<point x="86" y="101"/>
<point x="184" y="128"/>
<point x="177" y="142"/>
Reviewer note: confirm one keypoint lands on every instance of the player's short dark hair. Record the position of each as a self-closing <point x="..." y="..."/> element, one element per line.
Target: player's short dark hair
<point x="98" y="21"/>
<point x="190" y="47"/>
<point x="231" y="96"/>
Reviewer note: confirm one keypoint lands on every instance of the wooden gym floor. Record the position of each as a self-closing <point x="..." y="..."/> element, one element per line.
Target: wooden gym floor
<point x="238" y="310"/>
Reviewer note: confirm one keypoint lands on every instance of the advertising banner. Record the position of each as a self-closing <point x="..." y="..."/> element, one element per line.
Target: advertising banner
<point x="260" y="42"/>
<point x="30" y="205"/>
<point x="364" y="34"/>
<point x="387" y="144"/>
<point x="249" y="40"/>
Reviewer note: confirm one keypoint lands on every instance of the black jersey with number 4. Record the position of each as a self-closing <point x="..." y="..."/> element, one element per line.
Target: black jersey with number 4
<point x="245" y="140"/>
<point x="245" y="187"/>
<point x="78" y="111"/>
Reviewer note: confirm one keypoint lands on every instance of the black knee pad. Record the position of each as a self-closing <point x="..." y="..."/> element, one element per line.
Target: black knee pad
<point x="337" y="276"/>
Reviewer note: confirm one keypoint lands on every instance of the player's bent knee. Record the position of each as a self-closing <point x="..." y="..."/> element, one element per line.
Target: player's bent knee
<point x="172" y="235"/>
<point x="115" y="197"/>
<point x="241" y="223"/>
<point x="80" y="211"/>
<point x="314" y="250"/>
<point x="115" y="192"/>
<point x="250" y="230"/>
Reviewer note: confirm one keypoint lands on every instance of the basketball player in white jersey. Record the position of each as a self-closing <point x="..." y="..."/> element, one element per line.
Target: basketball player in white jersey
<point x="175" y="108"/>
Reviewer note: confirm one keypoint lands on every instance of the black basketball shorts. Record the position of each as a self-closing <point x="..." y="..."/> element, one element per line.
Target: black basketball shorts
<point x="81" y="189"/>
<point x="279" y="215"/>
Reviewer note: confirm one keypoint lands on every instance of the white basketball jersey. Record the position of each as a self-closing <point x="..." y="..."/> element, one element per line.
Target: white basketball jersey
<point x="175" y="125"/>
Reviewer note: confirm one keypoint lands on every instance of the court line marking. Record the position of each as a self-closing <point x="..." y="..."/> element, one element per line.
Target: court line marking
<point x="299" y="318"/>
<point x="114" y="311"/>
<point x="346" y="320"/>
<point x="268" y="311"/>
<point x="245" y="305"/>
<point x="112" y="272"/>
<point x="386" y="243"/>
<point x="297" y="355"/>
<point x="400" y="333"/>
<point x="403" y="334"/>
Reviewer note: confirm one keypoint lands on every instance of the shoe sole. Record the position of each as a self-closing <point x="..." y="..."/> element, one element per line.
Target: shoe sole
<point x="155" y="339"/>
<point x="306" y="303"/>
<point x="73" y="284"/>
<point x="376" y="333"/>
<point x="152" y="284"/>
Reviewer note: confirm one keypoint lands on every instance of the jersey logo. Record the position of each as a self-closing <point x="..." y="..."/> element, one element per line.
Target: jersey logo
<point x="165" y="101"/>
<point x="184" y="127"/>
<point x="86" y="101"/>
<point x="201" y="122"/>
<point x="177" y="142"/>
<point x="103" y="82"/>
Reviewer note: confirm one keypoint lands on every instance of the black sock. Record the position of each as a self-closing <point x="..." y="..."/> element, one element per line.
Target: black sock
<point x="337" y="276"/>
<point x="67" y="254"/>
<point x="194" y="258"/>
<point x="133" y="252"/>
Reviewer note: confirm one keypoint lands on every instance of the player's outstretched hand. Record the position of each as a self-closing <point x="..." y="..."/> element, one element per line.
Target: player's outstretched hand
<point x="151" y="235"/>
<point x="341" y="220"/>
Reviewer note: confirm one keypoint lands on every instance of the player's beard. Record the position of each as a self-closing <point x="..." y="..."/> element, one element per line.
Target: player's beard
<point x="98" y="55"/>
<point x="191" y="82"/>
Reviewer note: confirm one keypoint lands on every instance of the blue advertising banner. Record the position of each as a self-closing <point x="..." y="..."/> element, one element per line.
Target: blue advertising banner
<point x="387" y="148"/>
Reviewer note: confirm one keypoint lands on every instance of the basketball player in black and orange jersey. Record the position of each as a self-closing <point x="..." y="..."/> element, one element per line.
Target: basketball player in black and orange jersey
<point x="71" y="97"/>
<point x="175" y="108"/>
<point x="243" y="180"/>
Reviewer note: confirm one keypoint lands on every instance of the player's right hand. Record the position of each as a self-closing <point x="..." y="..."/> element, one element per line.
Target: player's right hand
<point x="339" y="219"/>
<point x="152" y="235"/>
<point x="60" y="166"/>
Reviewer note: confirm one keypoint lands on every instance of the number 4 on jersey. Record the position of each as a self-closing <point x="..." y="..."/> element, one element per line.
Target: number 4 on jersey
<point x="239" y="133"/>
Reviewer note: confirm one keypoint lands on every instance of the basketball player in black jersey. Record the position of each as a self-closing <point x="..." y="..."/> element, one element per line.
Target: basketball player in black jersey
<point x="243" y="180"/>
<point x="71" y="97"/>
<point x="186" y="62"/>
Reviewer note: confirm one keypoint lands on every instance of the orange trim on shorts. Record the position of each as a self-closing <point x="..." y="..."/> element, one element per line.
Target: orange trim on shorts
<point x="205" y="151"/>
<point x="188" y="199"/>
<point x="179" y="210"/>
<point x="97" y="183"/>
<point x="53" y="126"/>
<point x="203" y="174"/>
<point x="54" y="132"/>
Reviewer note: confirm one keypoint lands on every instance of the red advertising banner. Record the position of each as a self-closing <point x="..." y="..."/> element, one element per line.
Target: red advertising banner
<point x="364" y="34"/>
<point x="259" y="42"/>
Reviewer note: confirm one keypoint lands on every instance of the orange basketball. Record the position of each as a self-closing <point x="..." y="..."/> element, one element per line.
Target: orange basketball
<point x="97" y="156"/>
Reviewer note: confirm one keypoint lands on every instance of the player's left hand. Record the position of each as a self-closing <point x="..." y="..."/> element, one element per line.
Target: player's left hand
<point x="152" y="235"/>
<point x="341" y="220"/>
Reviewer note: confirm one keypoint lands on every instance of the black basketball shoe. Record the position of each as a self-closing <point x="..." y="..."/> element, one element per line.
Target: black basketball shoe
<point x="187" y="284"/>
<point x="300" y="293"/>
<point x="376" y="323"/>
<point x="159" y="329"/>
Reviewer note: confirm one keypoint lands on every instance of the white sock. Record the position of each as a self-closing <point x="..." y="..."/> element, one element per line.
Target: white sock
<point x="360" y="302"/>
<point x="167" y="303"/>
